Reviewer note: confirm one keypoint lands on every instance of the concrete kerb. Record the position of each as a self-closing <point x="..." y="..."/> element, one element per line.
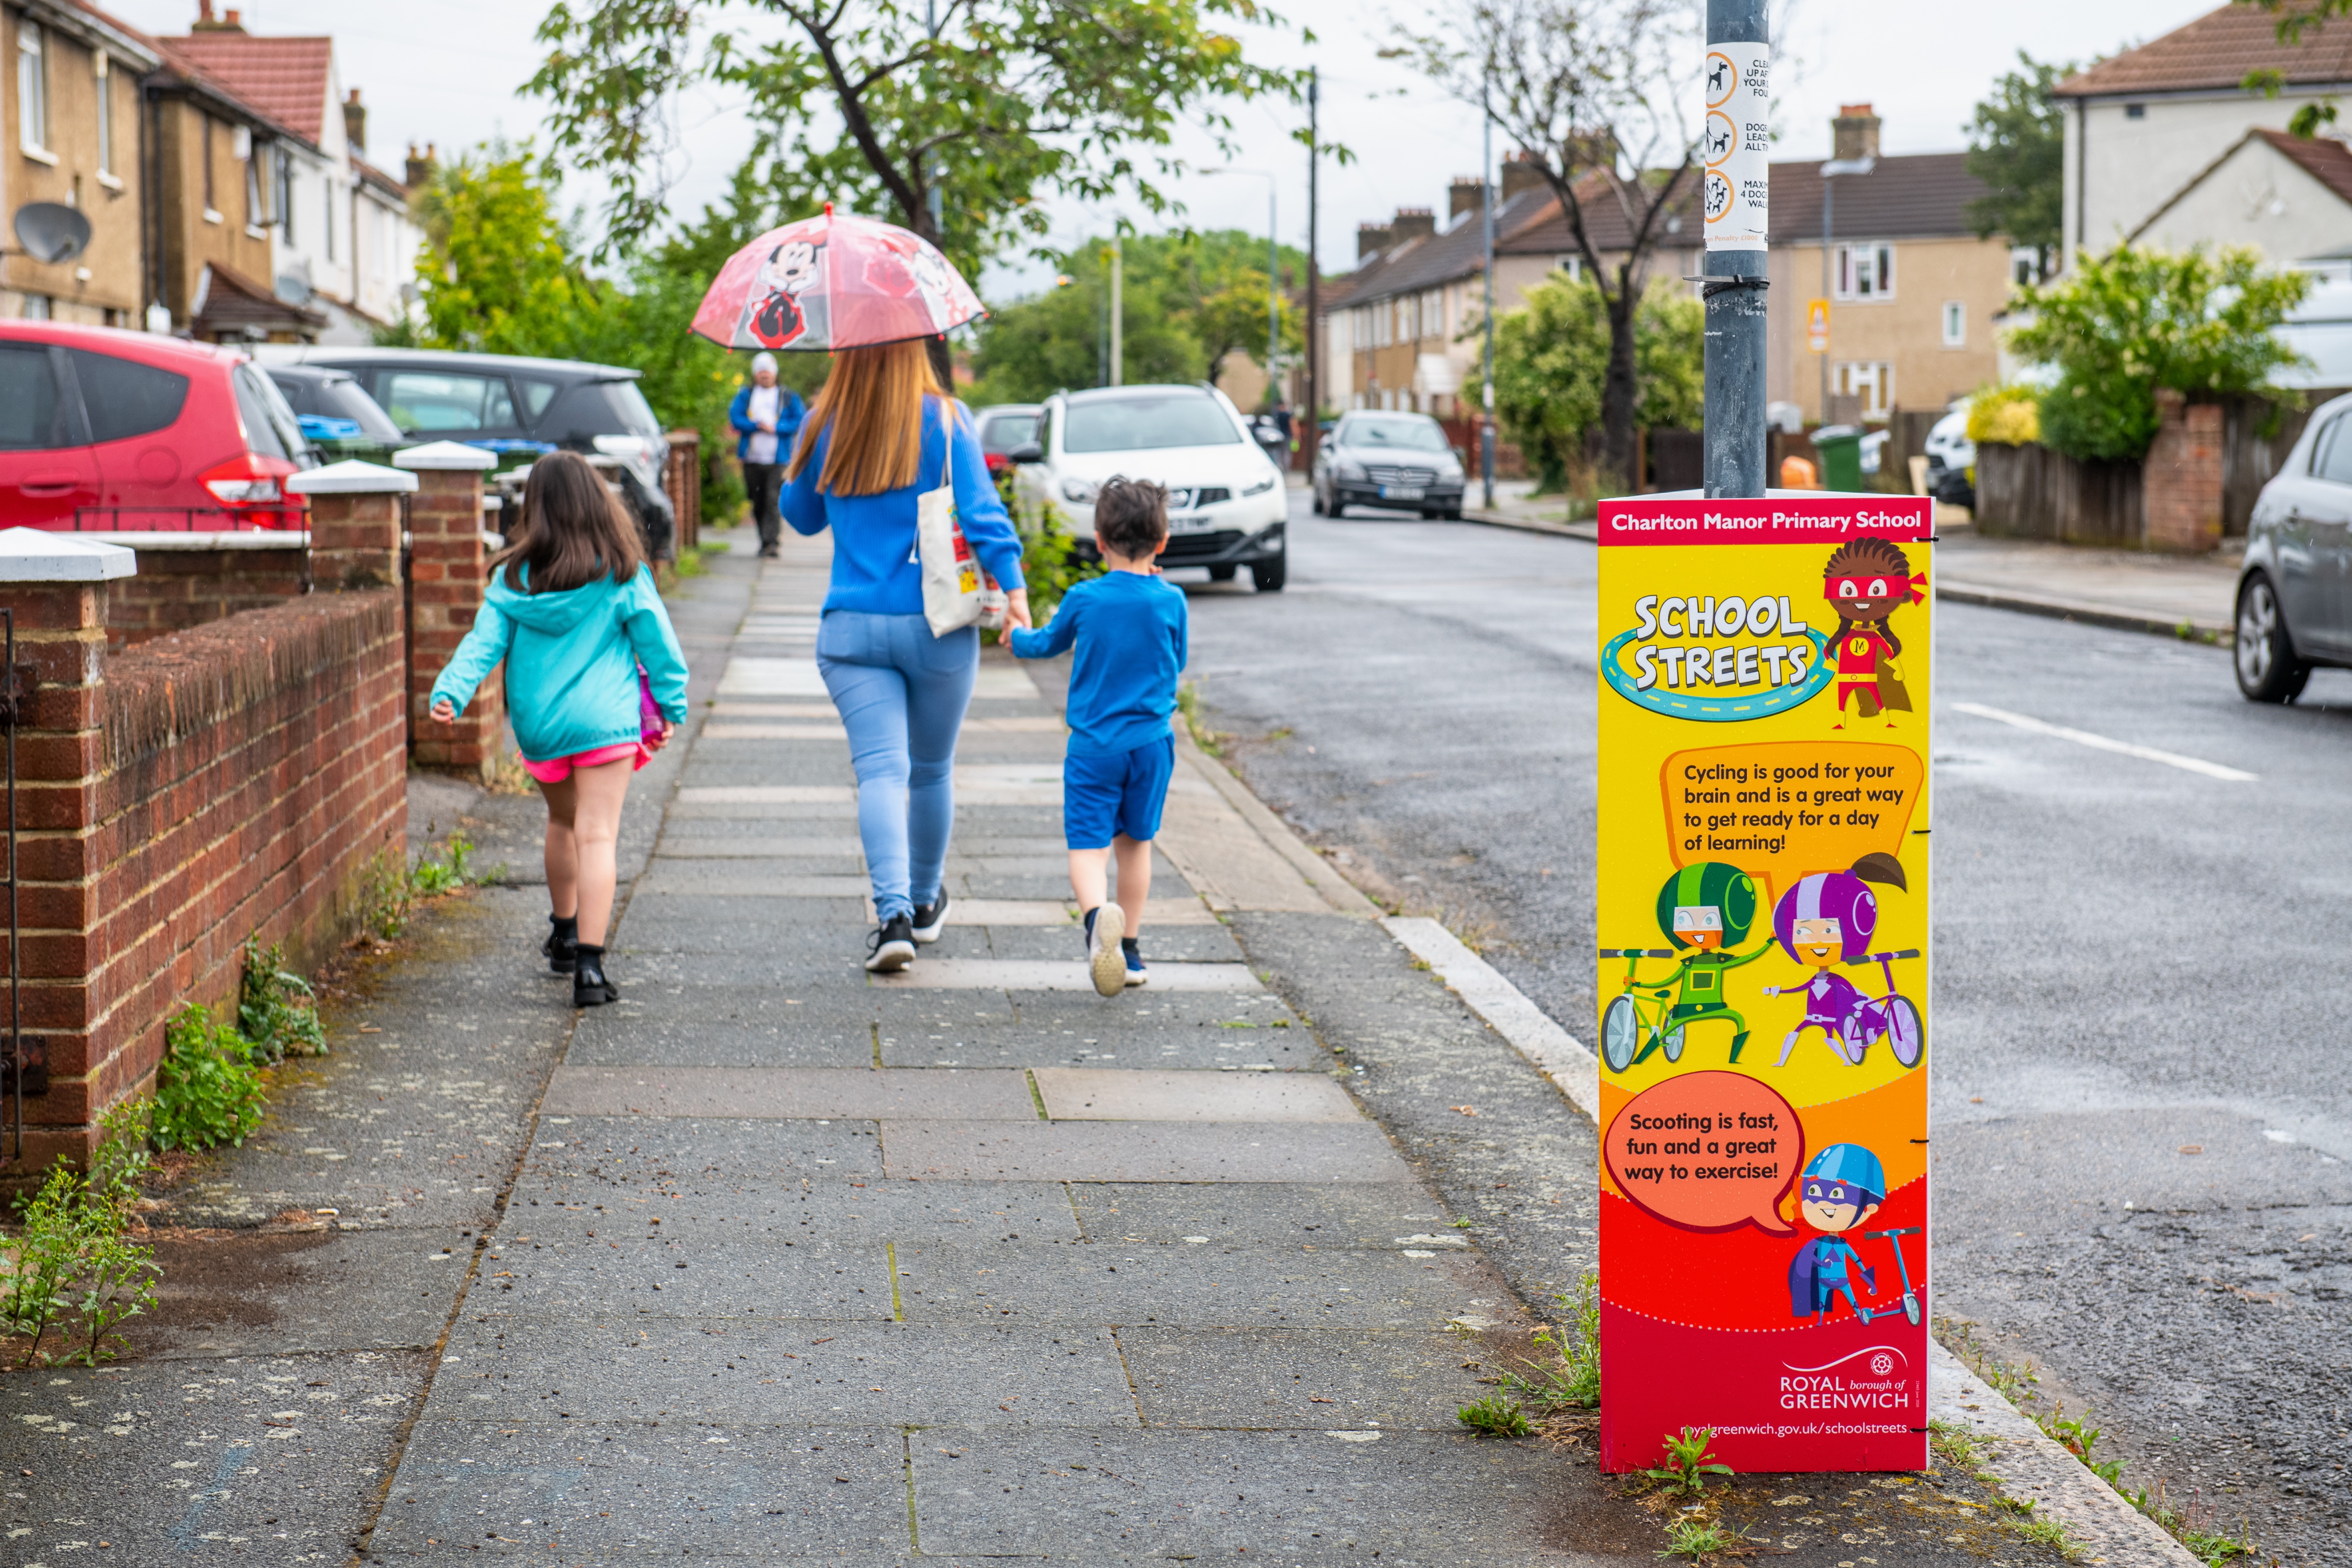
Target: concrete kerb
<point x="2032" y="1468"/>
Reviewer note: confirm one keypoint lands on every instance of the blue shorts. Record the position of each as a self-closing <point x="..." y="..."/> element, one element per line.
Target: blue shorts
<point x="1120" y="794"/>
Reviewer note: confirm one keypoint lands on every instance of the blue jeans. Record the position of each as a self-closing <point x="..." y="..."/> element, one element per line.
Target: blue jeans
<point x="902" y="693"/>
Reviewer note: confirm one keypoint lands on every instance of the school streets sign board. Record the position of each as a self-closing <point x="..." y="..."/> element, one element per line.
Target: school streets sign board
<point x="1763" y="917"/>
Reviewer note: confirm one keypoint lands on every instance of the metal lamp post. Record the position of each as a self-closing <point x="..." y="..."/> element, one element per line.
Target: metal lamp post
<point x="1735" y="277"/>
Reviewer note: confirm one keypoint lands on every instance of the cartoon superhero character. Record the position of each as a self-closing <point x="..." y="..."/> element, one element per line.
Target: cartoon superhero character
<point x="1864" y="581"/>
<point x="790" y="271"/>
<point x="1705" y="910"/>
<point x="1840" y="1189"/>
<point x="1826" y="919"/>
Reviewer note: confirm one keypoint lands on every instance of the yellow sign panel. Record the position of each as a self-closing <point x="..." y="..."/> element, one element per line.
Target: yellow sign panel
<point x="1817" y="326"/>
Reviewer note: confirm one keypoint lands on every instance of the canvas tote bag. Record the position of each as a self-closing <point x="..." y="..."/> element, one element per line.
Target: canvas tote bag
<point x="956" y="592"/>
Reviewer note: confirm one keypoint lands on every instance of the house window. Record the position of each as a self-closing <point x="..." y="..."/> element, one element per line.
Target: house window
<point x="327" y="229"/>
<point x="1955" y="324"/>
<point x="1573" y="266"/>
<point x="255" y="218"/>
<point x="212" y="208"/>
<point x="2134" y="111"/>
<point x="37" y="307"/>
<point x="284" y="195"/>
<point x="2024" y="266"/>
<point x="1871" y="380"/>
<point x="105" y="115"/>
<point x="32" y="88"/>
<point x="1866" y="272"/>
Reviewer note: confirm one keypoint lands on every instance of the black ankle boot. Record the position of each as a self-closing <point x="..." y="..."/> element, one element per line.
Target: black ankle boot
<point x="562" y="943"/>
<point x="588" y="986"/>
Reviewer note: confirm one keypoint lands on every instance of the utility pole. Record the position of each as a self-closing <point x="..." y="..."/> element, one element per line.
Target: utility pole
<point x="1118" y="318"/>
<point x="1313" y="433"/>
<point x="1735" y="147"/>
<point x="1489" y="189"/>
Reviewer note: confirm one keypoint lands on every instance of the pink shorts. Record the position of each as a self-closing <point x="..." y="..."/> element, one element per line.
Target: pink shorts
<point x="558" y="769"/>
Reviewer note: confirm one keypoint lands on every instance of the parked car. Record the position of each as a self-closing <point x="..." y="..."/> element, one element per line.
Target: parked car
<point x="507" y="403"/>
<point x="106" y="430"/>
<point x="1950" y="457"/>
<point x="338" y="418"/>
<point x="1401" y="461"/>
<point x="1002" y="427"/>
<point x="2295" y="591"/>
<point x="1226" y="508"/>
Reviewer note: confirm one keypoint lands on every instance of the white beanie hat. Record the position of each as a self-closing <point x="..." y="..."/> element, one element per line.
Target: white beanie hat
<point x="764" y="360"/>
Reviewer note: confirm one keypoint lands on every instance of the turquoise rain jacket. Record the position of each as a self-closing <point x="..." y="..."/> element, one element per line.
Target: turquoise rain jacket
<point x="571" y="662"/>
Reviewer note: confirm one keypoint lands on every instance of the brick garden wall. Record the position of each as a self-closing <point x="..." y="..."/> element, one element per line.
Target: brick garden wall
<point x="447" y="566"/>
<point x="175" y="798"/>
<point x="177" y="589"/>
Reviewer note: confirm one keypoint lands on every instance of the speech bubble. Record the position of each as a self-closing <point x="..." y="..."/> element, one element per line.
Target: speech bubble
<point x="1780" y="810"/>
<point x="1707" y="1151"/>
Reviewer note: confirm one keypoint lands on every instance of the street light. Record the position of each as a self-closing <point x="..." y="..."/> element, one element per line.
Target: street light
<point x="1272" y="272"/>
<point x="1836" y="168"/>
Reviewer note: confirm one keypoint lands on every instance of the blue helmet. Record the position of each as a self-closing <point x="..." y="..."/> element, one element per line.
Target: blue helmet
<point x="1853" y="1165"/>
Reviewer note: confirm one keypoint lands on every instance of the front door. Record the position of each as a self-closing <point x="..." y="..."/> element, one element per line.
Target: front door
<point x="46" y="470"/>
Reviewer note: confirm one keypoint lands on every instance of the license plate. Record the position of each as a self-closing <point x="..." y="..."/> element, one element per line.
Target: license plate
<point x="1179" y="522"/>
<point x="1400" y="492"/>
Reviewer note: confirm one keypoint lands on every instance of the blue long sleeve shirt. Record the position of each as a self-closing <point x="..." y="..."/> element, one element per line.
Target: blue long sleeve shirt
<point x="1130" y="632"/>
<point x="875" y="568"/>
<point x="790" y="412"/>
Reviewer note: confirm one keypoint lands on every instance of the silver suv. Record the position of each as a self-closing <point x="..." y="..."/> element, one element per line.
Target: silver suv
<point x="2295" y="592"/>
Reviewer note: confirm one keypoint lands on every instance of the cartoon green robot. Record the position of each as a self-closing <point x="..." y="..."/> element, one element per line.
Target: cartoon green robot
<point x="1705" y="909"/>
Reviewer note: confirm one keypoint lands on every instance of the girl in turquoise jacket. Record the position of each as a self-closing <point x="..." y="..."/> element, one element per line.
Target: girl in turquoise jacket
<point x="573" y="613"/>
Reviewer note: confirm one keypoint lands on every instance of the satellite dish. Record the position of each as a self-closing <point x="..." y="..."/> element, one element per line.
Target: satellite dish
<point x="50" y="231"/>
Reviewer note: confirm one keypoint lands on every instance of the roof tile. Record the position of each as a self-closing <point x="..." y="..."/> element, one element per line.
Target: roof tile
<point x="2217" y="51"/>
<point x="285" y="79"/>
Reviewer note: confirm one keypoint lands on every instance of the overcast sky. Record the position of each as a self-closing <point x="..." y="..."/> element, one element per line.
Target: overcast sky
<point x="449" y="71"/>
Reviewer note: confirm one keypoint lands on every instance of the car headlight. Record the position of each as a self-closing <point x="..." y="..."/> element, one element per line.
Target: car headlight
<point x="1354" y="471"/>
<point x="1083" y="491"/>
<point x="1263" y="485"/>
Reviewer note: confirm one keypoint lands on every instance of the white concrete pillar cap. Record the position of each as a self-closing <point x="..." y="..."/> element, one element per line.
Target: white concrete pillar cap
<point x="44" y="555"/>
<point x="351" y="478"/>
<point x="438" y="456"/>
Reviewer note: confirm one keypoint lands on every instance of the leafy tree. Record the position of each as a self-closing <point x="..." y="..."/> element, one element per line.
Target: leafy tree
<point x="1187" y="301"/>
<point x="498" y="275"/>
<point x="1593" y="92"/>
<point x="2122" y="325"/>
<point x="1551" y="367"/>
<point x="2017" y="146"/>
<point x="1013" y="99"/>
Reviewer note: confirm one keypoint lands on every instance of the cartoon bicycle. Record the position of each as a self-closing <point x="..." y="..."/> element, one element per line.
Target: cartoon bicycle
<point x="1635" y="1025"/>
<point x="1893" y="1016"/>
<point x="1705" y="910"/>
<point x="1828" y="919"/>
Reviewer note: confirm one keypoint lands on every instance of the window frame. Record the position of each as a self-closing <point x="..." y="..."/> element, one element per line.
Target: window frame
<point x="1879" y="381"/>
<point x="103" y="75"/>
<point x="1956" y="323"/>
<point x="1847" y="283"/>
<point x="32" y="88"/>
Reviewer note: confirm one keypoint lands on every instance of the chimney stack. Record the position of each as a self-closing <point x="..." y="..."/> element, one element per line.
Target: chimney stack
<point x="421" y="169"/>
<point x="1522" y="171"/>
<point x="207" y="22"/>
<point x="1853" y="134"/>
<point x="1413" y="222"/>
<point x="355" y="122"/>
<point x="1372" y="239"/>
<point x="1467" y="194"/>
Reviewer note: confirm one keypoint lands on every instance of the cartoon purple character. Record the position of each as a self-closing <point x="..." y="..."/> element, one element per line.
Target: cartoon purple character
<point x="1826" y="919"/>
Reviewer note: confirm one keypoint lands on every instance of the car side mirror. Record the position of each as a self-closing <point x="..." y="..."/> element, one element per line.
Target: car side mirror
<point x="1027" y="452"/>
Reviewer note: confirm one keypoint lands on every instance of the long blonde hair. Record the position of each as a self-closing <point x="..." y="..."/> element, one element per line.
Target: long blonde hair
<point x="872" y="401"/>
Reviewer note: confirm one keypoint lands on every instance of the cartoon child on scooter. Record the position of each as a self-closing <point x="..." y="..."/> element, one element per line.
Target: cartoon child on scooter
<point x="1843" y="1187"/>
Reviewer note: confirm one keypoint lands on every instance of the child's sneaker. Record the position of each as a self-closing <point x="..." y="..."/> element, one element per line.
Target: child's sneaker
<point x="1132" y="951"/>
<point x="1104" y="961"/>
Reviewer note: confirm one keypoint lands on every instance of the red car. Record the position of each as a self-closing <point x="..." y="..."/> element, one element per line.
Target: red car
<point x="105" y="429"/>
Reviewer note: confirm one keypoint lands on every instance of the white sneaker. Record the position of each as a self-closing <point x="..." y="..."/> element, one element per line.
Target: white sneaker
<point x="1104" y="961"/>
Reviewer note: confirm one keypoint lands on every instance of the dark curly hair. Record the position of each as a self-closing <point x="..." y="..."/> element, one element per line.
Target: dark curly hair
<point x="1131" y="516"/>
<point x="1869" y="557"/>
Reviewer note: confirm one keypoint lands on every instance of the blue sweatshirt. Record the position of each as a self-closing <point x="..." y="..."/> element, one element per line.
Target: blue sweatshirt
<point x="571" y="662"/>
<point x="875" y="568"/>
<point x="790" y="412"/>
<point x="1129" y="631"/>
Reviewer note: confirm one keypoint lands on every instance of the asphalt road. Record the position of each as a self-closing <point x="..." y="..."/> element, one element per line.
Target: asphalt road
<point x="2139" y="1025"/>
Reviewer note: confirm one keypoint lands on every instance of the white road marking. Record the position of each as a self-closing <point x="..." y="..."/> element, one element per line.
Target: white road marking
<point x="2106" y="743"/>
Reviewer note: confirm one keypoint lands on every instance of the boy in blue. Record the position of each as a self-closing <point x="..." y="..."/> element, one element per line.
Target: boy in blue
<point x="1128" y="628"/>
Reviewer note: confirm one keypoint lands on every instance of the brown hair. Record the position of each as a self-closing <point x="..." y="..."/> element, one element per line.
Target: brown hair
<point x="872" y="400"/>
<point x="572" y="530"/>
<point x="1131" y="516"/>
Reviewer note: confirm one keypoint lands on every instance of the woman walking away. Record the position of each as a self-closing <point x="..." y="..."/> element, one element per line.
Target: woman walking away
<point x="880" y="434"/>
<point x="767" y="416"/>
<point x="573" y="613"/>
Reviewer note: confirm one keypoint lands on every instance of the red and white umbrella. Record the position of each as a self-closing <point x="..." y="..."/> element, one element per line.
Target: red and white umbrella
<point x="830" y="282"/>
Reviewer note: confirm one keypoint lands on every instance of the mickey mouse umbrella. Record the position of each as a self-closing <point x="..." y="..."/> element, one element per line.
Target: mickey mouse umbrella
<point x="828" y="282"/>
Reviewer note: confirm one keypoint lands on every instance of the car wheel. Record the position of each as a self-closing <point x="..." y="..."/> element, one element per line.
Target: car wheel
<point x="2268" y="670"/>
<point x="1222" y="573"/>
<point x="1269" y="575"/>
